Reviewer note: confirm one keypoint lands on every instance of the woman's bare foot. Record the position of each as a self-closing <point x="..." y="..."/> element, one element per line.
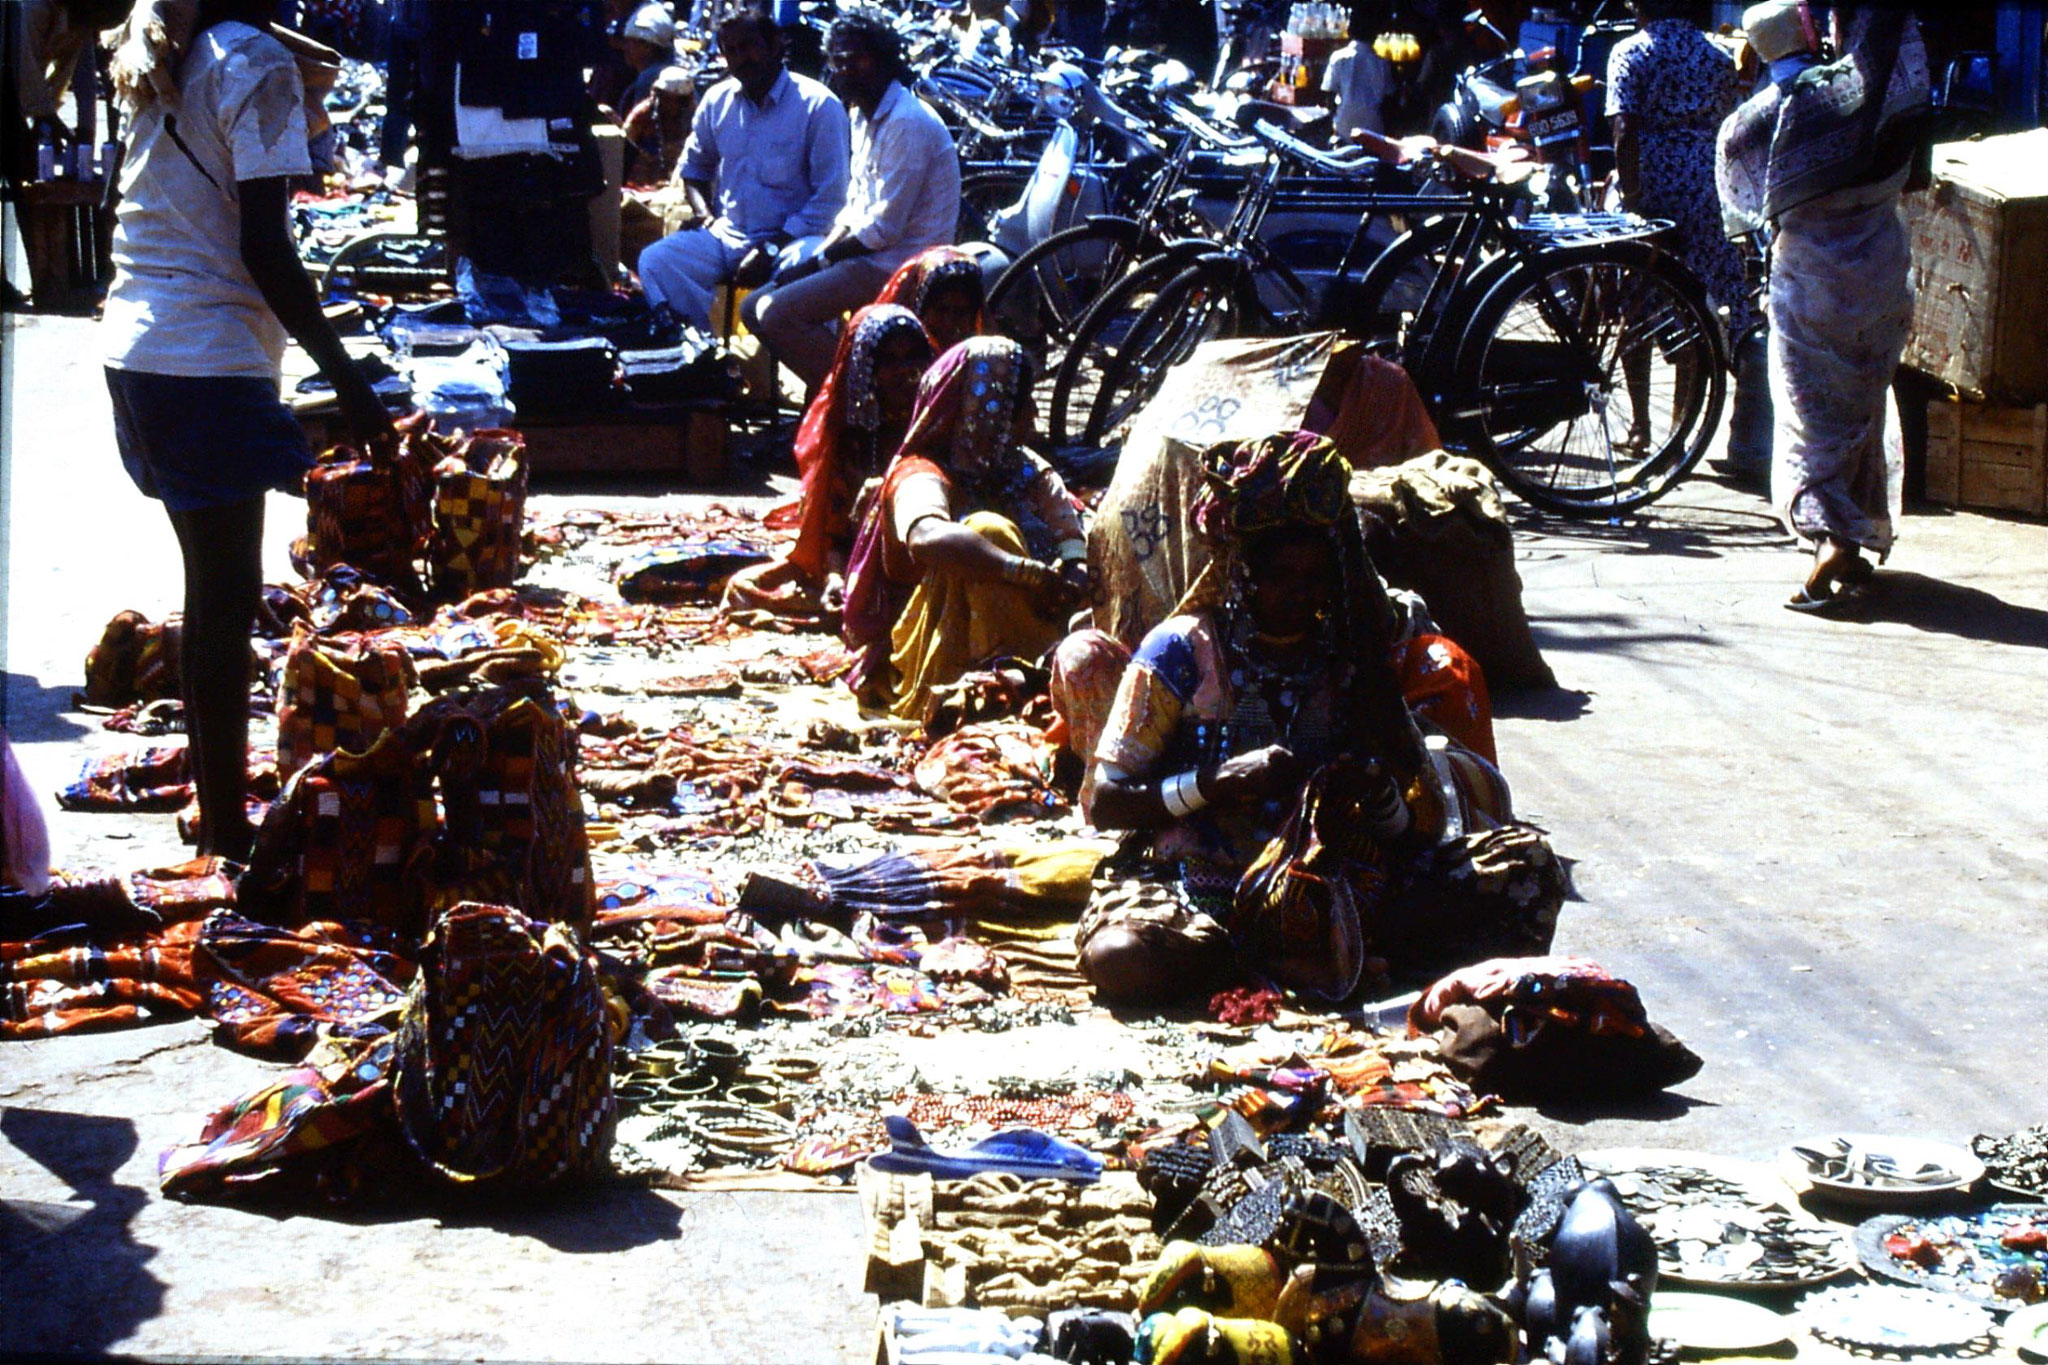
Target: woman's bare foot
<point x="1836" y="564"/>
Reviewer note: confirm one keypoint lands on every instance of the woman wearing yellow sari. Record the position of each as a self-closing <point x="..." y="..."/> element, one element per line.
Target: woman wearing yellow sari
<point x="971" y="548"/>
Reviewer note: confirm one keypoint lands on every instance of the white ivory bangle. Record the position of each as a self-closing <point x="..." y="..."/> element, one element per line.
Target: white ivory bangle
<point x="1182" y="794"/>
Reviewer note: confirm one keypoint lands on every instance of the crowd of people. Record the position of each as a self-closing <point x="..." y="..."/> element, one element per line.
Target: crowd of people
<point x="1268" y="717"/>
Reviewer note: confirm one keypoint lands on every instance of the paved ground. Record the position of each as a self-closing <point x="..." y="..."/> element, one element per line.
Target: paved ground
<point x="1819" y="847"/>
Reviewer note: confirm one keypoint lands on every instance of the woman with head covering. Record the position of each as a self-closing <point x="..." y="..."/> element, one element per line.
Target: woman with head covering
<point x="971" y="547"/>
<point x="944" y="287"/>
<point x="1827" y="182"/>
<point x="1259" y="736"/>
<point x="851" y="429"/>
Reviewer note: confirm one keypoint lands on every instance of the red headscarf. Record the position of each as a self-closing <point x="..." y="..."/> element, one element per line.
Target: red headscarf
<point x="845" y="400"/>
<point x="914" y="279"/>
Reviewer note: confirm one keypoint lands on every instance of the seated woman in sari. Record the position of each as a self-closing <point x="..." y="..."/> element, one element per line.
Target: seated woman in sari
<point x="971" y="547"/>
<point x="944" y="287"/>
<point x="1261" y="734"/>
<point x="848" y="435"/>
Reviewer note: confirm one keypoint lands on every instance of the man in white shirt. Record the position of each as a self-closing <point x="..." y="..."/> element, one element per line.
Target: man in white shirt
<point x="774" y="146"/>
<point x="904" y="198"/>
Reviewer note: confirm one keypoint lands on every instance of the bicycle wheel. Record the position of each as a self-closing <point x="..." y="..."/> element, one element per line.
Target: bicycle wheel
<point x="1383" y="308"/>
<point x="1199" y="304"/>
<point x="1097" y="338"/>
<point x="1042" y="296"/>
<point x="1591" y="379"/>
<point x="982" y="196"/>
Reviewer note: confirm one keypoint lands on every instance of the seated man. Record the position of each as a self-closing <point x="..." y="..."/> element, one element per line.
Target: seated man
<point x="904" y="197"/>
<point x="775" y="146"/>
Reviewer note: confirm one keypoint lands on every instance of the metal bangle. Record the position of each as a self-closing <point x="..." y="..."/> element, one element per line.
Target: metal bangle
<point x="1182" y="794"/>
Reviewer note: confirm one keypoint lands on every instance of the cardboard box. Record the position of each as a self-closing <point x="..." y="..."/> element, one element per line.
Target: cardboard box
<point x="1979" y="237"/>
<point x="1988" y="456"/>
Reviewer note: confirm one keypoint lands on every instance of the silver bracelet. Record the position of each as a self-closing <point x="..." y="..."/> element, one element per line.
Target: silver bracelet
<point x="1182" y="794"/>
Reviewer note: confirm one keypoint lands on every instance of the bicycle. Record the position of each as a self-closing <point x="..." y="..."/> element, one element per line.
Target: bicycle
<point x="1530" y="341"/>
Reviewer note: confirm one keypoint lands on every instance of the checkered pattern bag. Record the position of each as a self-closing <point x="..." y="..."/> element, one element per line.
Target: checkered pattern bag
<point x="374" y="511"/>
<point x="338" y="692"/>
<point x="502" y="1066"/>
<point x="351" y="837"/>
<point x="520" y="806"/>
<point x="479" y="512"/>
<point x="136" y="660"/>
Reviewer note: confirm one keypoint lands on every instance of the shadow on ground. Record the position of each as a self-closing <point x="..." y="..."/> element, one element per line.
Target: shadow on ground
<point x="1677" y="530"/>
<point x="74" y="1280"/>
<point x="587" y="1222"/>
<point x="1660" y="1107"/>
<point x="1943" y="608"/>
<point x="33" y="713"/>
<point x="1542" y="703"/>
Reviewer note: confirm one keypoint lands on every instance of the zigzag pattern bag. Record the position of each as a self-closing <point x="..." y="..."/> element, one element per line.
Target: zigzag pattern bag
<point x="502" y="1069"/>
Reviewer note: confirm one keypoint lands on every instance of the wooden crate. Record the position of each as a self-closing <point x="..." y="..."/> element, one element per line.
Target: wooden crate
<point x="1979" y="239"/>
<point x="1988" y="456"/>
<point x="684" y="440"/>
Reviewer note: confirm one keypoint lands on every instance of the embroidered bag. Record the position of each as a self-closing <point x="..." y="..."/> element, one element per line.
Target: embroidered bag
<point x="374" y="510"/>
<point x="479" y="512"/>
<point x="135" y="660"/>
<point x="1294" y="913"/>
<point x="338" y="692"/>
<point x="350" y="837"/>
<point x="503" y="1059"/>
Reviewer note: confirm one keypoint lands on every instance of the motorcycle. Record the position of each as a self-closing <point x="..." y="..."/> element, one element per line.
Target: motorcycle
<point x="1523" y="99"/>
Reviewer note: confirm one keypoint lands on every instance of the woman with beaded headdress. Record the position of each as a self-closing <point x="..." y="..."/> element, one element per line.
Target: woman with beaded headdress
<point x="849" y="433"/>
<point x="1270" y="702"/>
<point x="970" y="548"/>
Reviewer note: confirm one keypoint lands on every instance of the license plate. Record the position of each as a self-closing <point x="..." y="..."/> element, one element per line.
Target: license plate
<point x="1554" y="127"/>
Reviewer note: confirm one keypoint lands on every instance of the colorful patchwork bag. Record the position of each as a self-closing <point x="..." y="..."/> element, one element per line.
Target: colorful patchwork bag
<point x="505" y="760"/>
<point x="1295" y="915"/>
<point x="135" y="660"/>
<point x="479" y="513"/>
<point x="530" y="814"/>
<point x="339" y="692"/>
<point x="374" y="511"/>
<point x="503" y="1059"/>
<point x="349" y="838"/>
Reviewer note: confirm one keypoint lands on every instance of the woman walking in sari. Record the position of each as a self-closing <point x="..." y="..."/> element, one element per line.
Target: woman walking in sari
<point x="1840" y="304"/>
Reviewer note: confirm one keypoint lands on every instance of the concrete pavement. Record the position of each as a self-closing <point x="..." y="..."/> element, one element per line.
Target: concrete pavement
<point x="1820" y="848"/>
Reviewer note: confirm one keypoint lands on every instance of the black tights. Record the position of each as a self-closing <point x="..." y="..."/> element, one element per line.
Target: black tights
<point x="223" y="553"/>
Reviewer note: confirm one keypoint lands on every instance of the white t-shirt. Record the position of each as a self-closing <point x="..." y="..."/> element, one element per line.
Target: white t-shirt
<point x="182" y="302"/>
<point x="1357" y="76"/>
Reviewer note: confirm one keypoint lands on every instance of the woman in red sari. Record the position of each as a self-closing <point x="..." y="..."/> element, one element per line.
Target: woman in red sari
<point x="849" y="434"/>
<point x="944" y="287"/>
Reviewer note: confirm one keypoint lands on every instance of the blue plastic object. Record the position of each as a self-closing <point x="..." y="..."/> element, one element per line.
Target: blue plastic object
<point x="1025" y="1152"/>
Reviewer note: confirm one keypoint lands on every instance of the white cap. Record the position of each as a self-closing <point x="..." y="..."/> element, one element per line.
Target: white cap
<point x="651" y="23"/>
<point x="674" y="81"/>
